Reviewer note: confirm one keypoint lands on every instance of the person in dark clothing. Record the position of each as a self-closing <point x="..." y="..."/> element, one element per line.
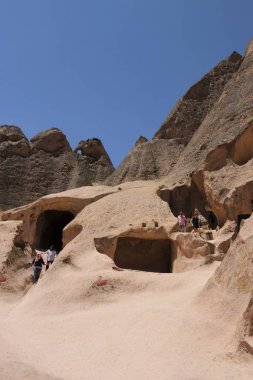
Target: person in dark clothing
<point x="212" y="221"/>
<point x="38" y="262"/>
<point x="196" y="222"/>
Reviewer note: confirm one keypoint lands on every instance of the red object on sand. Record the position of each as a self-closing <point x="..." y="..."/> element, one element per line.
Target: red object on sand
<point x="101" y="282"/>
<point x="2" y="278"/>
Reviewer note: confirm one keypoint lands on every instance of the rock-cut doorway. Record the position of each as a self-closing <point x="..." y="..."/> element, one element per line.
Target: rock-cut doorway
<point x="149" y="255"/>
<point x="50" y="225"/>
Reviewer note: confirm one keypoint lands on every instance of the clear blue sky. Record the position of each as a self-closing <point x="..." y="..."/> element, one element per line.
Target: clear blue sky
<point x="110" y="69"/>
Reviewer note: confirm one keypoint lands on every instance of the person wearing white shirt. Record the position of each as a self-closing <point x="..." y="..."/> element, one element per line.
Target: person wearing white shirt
<point x="51" y="255"/>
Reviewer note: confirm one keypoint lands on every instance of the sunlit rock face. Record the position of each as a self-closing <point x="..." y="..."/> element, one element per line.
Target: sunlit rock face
<point x="156" y="158"/>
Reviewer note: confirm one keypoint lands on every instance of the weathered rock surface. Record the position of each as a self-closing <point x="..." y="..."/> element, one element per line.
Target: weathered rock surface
<point x="235" y="273"/>
<point x="13" y="142"/>
<point x="46" y="164"/>
<point x="214" y="172"/>
<point x="193" y="107"/>
<point x="155" y="158"/>
<point x="226" y="131"/>
<point x="147" y="160"/>
<point x="14" y="258"/>
<point x="49" y="212"/>
<point x="50" y="141"/>
<point x="190" y="251"/>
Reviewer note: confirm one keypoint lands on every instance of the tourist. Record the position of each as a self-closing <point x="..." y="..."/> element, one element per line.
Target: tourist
<point x="37" y="267"/>
<point x="51" y="255"/>
<point x="196" y="222"/>
<point x="211" y="219"/>
<point x="181" y="221"/>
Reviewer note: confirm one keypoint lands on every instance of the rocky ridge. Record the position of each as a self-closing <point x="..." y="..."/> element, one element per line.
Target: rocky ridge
<point x="46" y="164"/>
<point x="156" y="158"/>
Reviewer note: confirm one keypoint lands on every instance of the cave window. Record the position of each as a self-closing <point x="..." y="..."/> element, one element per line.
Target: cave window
<point x="50" y="225"/>
<point x="150" y="255"/>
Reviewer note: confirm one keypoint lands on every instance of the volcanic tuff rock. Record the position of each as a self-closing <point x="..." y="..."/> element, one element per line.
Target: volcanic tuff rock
<point x="226" y="131"/>
<point x="192" y="108"/>
<point x="155" y="158"/>
<point x="220" y="149"/>
<point x="46" y="164"/>
<point x="147" y="160"/>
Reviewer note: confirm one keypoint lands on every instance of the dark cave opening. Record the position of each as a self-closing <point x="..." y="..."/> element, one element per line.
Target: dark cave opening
<point x="240" y="218"/>
<point x="184" y="198"/>
<point x="147" y="255"/>
<point x="50" y="225"/>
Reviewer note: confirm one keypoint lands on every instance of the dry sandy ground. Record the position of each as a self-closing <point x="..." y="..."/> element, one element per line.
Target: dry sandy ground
<point x="139" y="326"/>
<point x="152" y="327"/>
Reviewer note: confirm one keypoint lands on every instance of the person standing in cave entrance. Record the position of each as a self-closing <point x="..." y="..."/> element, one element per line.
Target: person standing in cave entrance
<point x="51" y="255"/>
<point x="196" y="222"/>
<point x="37" y="267"/>
<point x="181" y="221"/>
<point x="211" y="219"/>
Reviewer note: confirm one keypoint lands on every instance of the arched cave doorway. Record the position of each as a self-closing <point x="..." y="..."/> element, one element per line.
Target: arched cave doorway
<point x="184" y="198"/>
<point x="148" y="255"/>
<point x="49" y="228"/>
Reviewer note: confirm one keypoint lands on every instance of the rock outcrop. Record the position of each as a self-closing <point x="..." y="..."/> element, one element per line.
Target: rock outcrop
<point x="44" y="219"/>
<point x="156" y="158"/>
<point x="147" y="160"/>
<point x="193" y="107"/>
<point x="45" y="165"/>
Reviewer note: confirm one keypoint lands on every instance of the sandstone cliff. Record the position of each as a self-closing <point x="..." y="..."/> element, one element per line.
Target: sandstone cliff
<point x="46" y="164"/>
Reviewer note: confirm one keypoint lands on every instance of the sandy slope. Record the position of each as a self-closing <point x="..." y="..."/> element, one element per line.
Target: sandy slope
<point x="151" y="327"/>
<point x="139" y="326"/>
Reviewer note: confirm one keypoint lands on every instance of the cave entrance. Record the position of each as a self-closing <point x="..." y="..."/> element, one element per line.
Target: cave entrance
<point x="49" y="228"/>
<point x="144" y="254"/>
<point x="240" y="218"/>
<point x="184" y="198"/>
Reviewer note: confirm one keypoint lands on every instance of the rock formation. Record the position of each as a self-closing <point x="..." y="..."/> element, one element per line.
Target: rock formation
<point x="192" y="108"/>
<point x="211" y="169"/>
<point x="147" y="160"/>
<point x="46" y="164"/>
<point x="156" y="158"/>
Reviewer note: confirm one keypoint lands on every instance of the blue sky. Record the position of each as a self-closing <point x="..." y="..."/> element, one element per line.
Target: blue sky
<point x="110" y="69"/>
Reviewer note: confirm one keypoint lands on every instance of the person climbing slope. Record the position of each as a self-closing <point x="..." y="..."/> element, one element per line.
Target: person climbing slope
<point x="51" y="255"/>
<point x="37" y="262"/>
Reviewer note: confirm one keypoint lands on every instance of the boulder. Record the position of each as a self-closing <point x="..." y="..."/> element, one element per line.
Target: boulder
<point x="51" y="141"/>
<point x="13" y="142"/>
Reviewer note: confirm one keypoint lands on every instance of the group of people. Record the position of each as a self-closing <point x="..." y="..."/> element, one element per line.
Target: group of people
<point x="195" y="221"/>
<point x="38" y="262"/>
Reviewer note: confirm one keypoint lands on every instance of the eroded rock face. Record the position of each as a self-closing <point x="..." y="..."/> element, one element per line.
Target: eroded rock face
<point x="13" y="142"/>
<point x="45" y="219"/>
<point x="156" y="158"/>
<point x="235" y="273"/>
<point x="193" y="107"/>
<point x="45" y="165"/>
<point x="225" y="132"/>
<point x="92" y="148"/>
<point x="190" y="251"/>
<point x="50" y="141"/>
<point x="147" y="160"/>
